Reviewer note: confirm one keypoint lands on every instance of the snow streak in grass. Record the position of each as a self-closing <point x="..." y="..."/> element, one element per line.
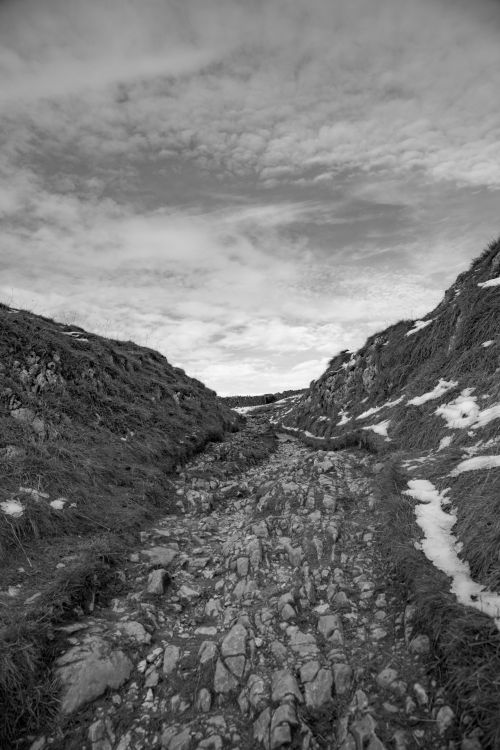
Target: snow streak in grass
<point x="488" y="415"/>
<point x="344" y="418"/>
<point x="419" y="325"/>
<point x="441" y="547"/>
<point x="478" y="462"/>
<point x="442" y="387"/>
<point x="375" y="409"/>
<point x="445" y="442"/>
<point x="490" y="282"/>
<point x="380" y="428"/>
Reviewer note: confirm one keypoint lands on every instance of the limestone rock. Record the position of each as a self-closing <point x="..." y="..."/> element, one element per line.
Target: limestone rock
<point x="157" y="580"/>
<point x="342" y="675"/>
<point x="224" y="681"/>
<point x="233" y="650"/>
<point x="386" y="677"/>
<point x="420" y="644"/>
<point x="207" y="652"/>
<point x="172" y="739"/>
<point x="284" y="686"/>
<point x="257" y="691"/>
<point x="304" y="644"/>
<point x="88" y="669"/>
<point x="444" y="718"/>
<point x="328" y="624"/>
<point x="319" y="690"/>
<point x="160" y="555"/>
<point x="135" y="630"/>
<point x="203" y="700"/>
<point x="171" y="656"/>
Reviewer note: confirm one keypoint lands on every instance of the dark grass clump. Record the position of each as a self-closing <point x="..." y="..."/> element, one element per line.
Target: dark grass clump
<point x="28" y="696"/>
<point x="29" y="642"/>
<point x="465" y="644"/>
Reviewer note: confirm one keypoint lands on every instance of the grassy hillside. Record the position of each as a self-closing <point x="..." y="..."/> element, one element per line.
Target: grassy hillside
<point x="89" y="431"/>
<point x="95" y="422"/>
<point x="409" y="359"/>
<point x="425" y="395"/>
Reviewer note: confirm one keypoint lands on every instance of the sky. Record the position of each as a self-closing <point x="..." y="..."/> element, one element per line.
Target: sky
<point x="248" y="186"/>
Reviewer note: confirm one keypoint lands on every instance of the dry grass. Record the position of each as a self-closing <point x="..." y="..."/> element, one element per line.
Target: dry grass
<point x="29" y="643"/>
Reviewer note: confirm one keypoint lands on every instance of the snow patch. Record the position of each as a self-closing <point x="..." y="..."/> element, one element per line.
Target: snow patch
<point x="445" y="442"/>
<point x="12" y="508"/>
<point x="442" y="387"/>
<point x="461" y="412"/>
<point x="419" y="325"/>
<point x="441" y="547"/>
<point x="380" y="428"/>
<point x="311" y="435"/>
<point x="476" y="463"/>
<point x="246" y="409"/>
<point x="489" y="283"/>
<point x="464" y="412"/>
<point x="76" y="335"/>
<point x="58" y="504"/>
<point x="375" y="409"/>
<point x="488" y="415"/>
<point x="345" y="418"/>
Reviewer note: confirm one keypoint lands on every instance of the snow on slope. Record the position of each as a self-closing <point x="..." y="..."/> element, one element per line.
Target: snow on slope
<point x="442" y="387"/>
<point x="478" y="462"/>
<point x="441" y="547"/>
<point x="419" y="325"/>
<point x="490" y="283"/>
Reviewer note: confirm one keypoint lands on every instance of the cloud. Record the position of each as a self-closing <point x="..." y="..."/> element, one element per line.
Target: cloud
<point x="247" y="186"/>
<point x="267" y="89"/>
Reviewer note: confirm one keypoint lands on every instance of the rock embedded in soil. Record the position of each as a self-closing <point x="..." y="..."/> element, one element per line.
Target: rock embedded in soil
<point x="160" y="555"/>
<point x="88" y="669"/>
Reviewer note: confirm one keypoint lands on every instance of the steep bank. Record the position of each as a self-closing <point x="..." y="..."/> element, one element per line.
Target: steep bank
<point x="425" y="396"/>
<point x="90" y="425"/>
<point x="90" y="433"/>
<point x="393" y="384"/>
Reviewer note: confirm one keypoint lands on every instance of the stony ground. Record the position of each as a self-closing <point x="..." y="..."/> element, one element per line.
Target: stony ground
<point x="258" y="617"/>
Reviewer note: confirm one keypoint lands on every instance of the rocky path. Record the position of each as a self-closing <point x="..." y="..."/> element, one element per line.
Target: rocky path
<point x="258" y="617"/>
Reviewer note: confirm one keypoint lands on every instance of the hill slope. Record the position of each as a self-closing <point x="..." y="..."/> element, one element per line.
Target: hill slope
<point x="91" y="420"/>
<point x="90" y="430"/>
<point x="457" y="343"/>
<point x="425" y="396"/>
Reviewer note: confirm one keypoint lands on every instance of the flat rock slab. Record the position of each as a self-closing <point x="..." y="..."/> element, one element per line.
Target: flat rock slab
<point x="160" y="555"/>
<point x="88" y="669"/>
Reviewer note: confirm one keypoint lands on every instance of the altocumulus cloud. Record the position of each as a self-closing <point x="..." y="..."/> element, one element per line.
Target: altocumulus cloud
<point x="247" y="186"/>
